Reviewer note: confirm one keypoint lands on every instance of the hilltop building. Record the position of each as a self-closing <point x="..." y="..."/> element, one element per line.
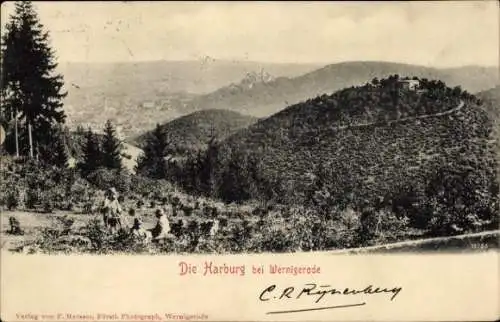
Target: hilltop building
<point x="409" y="84"/>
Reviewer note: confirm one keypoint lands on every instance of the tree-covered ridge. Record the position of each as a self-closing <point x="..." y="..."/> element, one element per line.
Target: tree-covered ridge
<point x="365" y="147"/>
<point x="378" y="101"/>
<point x="192" y="132"/>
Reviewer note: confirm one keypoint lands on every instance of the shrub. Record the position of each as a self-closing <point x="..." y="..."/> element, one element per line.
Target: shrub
<point x="12" y="199"/>
<point x="95" y="232"/>
<point x="277" y="240"/>
<point x="89" y="207"/>
<point x="65" y="224"/>
<point x="106" y="178"/>
<point x="32" y="198"/>
<point x="47" y="204"/>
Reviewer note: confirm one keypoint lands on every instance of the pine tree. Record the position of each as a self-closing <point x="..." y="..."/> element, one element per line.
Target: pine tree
<point x="91" y="153"/>
<point x="9" y="89"/>
<point x="235" y="181"/>
<point x="208" y="175"/>
<point x="192" y="170"/>
<point x="55" y="152"/>
<point x="111" y="148"/>
<point x="31" y="90"/>
<point x="152" y="163"/>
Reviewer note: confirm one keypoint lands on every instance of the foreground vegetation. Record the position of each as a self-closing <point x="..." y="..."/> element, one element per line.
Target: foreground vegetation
<point x="45" y="192"/>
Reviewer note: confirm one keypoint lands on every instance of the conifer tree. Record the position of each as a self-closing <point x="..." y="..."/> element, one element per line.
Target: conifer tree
<point x="55" y="152"/>
<point x="31" y="89"/>
<point x="208" y="176"/>
<point x="91" y="153"/>
<point x="111" y="148"/>
<point x="152" y="163"/>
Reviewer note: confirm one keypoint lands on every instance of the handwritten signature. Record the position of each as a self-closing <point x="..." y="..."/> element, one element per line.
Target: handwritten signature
<point x="319" y="292"/>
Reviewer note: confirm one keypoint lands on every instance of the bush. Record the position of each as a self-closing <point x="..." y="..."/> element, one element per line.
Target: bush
<point x="47" y="187"/>
<point x="106" y="178"/>
<point x="95" y="232"/>
<point x="89" y="207"/>
<point x="103" y="242"/>
<point x="12" y="199"/>
<point x="33" y="198"/>
<point x="277" y="240"/>
<point x="47" y="204"/>
<point x="65" y="224"/>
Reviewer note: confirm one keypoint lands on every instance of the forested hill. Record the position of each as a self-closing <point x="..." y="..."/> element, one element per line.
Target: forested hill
<point x="193" y="131"/>
<point x="377" y="143"/>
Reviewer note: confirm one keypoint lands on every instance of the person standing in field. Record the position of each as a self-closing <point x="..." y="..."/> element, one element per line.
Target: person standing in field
<point x="111" y="211"/>
<point x="161" y="231"/>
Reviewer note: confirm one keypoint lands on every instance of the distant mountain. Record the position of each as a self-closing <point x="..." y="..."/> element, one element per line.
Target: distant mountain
<point x="196" y="77"/>
<point x="264" y="98"/>
<point x="192" y="132"/>
<point x="363" y="146"/>
<point x="136" y="95"/>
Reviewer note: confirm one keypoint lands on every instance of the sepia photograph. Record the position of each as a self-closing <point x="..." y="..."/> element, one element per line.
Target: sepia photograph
<point x="196" y="140"/>
<point x="249" y="161"/>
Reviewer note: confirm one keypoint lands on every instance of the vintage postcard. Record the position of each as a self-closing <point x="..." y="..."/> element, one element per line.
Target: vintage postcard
<point x="249" y="161"/>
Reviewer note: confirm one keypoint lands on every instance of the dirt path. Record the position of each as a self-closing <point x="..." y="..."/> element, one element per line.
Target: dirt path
<point x="343" y="127"/>
<point x="419" y="242"/>
<point x="31" y="223"/>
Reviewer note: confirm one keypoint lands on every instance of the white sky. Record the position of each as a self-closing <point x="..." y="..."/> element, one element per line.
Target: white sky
<point x="438" y="33"/>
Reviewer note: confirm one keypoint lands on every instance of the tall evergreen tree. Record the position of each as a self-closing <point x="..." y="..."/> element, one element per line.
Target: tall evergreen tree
<point x="55" y="152"/>
<point x="91" y="153"/>
<point x="235" y="180"/>
<point x="31" y="88"/>
<point x="111" y="148"/>
<point x="208" y="176"/>
<point x="152" y="163"/>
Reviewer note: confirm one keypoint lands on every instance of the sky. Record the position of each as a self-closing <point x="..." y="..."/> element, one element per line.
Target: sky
<point x="440" y="34"/>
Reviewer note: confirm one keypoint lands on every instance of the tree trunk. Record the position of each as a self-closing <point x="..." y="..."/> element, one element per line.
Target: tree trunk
<point x="16" y="134"/>
<point x="30" y="140"/>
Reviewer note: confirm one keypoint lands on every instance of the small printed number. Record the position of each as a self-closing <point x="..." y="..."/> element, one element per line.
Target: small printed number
<point x="479" y="246"/>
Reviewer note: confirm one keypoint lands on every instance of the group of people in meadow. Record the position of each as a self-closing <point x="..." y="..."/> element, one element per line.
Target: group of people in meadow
<point x="114" y="220"/>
